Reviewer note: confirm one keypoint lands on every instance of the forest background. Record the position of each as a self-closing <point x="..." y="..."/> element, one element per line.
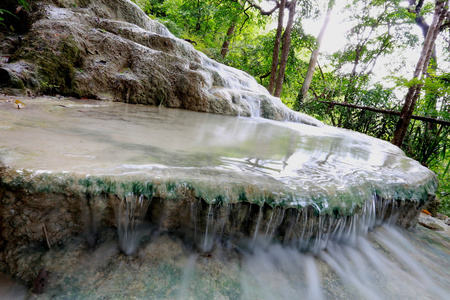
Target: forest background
<point x="384" y="69"/>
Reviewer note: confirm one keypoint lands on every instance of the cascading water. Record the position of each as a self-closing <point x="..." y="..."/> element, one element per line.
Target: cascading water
<point x="108" y="200"/>
<point x="207" y="240"/>
<point x="130" y="216"/>
<point x="177" y="204"/>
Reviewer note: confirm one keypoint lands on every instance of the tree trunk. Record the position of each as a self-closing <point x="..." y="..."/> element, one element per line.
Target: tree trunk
<point x="199" y="16"/>
<point x="314" y="56"/>
<point x="226" y="43"/>
<point x="285" y="49"/>
<point x="413" y="94"/>
<point x="420" y="21"/>
<point x="276" y="47"/>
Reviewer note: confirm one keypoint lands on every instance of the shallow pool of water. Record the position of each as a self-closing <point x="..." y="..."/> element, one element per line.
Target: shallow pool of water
<point x="218" y="155"/>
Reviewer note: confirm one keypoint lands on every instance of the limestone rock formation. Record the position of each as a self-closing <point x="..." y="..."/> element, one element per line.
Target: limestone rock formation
<point x="111" y="50"/>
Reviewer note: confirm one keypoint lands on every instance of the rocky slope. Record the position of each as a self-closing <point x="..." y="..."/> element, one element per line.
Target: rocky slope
<point x="110" y="50"/>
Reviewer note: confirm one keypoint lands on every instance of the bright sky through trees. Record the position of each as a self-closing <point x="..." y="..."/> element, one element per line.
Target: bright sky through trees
<point x="335" y="39"/>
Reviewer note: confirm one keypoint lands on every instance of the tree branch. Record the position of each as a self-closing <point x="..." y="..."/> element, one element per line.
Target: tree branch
<point x="262" y="11"/>
<point x="387" y="112"/>
<point x="445" y="25"/>
<point x="264" y="76"/>
<point x="246" y="19"/>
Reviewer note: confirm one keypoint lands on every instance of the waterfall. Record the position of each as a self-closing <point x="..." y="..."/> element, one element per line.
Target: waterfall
<point x="100" y="199"/>
<point x="164" y="203"/>
<point x="130" y="216"/>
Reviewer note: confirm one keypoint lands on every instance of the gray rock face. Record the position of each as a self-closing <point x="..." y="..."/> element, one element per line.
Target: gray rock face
<point x="111" y="50"/>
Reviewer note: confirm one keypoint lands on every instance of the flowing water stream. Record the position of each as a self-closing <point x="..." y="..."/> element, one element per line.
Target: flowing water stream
<point x="217" y="155"/>
<point x="115" y="201"/>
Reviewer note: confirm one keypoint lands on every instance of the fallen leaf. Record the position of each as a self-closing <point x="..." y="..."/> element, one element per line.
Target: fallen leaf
<point x="18" y="104"/>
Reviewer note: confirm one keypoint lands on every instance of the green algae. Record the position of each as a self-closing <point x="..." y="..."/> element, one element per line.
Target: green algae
<point x="342" y="204"/>
<point x="56" y="62"/>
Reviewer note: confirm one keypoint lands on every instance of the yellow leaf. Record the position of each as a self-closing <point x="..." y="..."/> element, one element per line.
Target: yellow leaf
<point x="18" y="104"/>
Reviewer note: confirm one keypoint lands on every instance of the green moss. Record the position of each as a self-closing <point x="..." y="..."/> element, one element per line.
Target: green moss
<point x="171" y="187"/>
<point x="10" y="80"/>
<point x="220" y="200"/>
<point x="134" y="187"/>
<point x="242" y="196"/>
<point x="106" y="186"/>
<point x="340" y="205"/>
<point x="86" y="182"/>
<point x="55" y="63"/>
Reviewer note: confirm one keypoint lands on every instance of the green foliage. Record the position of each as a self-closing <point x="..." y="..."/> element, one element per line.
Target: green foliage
<point x="250" y="54"/>
<point x="9" y="13"/>
<point x="443" y="193"/>
<point x="428" y="143"/>
<point x="2" y="19"/>
<point x="205" y="22"/>
<point x="154" y="8"/>
<point x="368" y="122"/>
<point x="49" y="88"/>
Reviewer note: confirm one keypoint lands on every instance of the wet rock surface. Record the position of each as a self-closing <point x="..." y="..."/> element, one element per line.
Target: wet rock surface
<point x="31" y="222"/>
<point x="439" y="223"/>
<point x="164" y="267"/>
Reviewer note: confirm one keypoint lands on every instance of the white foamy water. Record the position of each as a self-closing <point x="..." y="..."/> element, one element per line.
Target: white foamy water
<point x="388" y="263"/>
